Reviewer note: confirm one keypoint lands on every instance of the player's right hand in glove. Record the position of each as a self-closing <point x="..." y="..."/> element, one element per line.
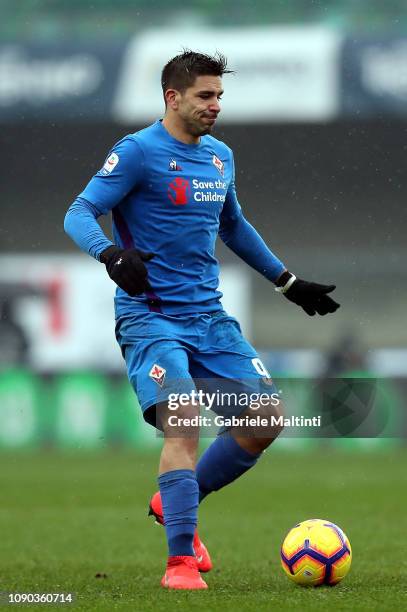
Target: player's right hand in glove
<point x="126" y="268"/>
<point x="312" y="297"/>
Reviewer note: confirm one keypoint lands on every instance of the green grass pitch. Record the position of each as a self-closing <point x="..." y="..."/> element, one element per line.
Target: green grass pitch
<point x="66" y="517"/>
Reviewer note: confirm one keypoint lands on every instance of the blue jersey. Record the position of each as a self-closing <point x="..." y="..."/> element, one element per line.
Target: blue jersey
<point x="167" y="198"/>
<point x="171" y="199"/>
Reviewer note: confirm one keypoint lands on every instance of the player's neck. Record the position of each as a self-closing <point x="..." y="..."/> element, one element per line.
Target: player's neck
<point x="177" y="131"/>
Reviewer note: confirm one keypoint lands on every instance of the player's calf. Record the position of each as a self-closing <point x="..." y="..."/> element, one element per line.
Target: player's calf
<point x="181" y="436"/>
<point x="179" y="493"/>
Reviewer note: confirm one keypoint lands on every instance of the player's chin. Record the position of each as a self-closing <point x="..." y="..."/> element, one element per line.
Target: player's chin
<point x="207" y="129"/>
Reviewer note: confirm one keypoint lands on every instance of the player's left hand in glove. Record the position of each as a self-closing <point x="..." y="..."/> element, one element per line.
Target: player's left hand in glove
<point x="312" y="297"/>
<point x="126" y="268"/>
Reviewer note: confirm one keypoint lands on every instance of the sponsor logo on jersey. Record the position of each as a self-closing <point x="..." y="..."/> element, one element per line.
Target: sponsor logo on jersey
<point x="179" y="191"/>
<point x="157" y="373"/>
<point x="173" y="166"/>
<point x="204" y="191"/>
<point x="110" y="164"/>
<point x="219" y="165"/>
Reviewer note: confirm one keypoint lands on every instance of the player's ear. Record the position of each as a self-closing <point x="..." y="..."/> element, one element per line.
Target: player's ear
<point x="172" y="98"/>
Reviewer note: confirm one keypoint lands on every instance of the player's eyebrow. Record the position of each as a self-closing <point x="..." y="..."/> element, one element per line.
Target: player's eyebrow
<point x="209" y="91"/>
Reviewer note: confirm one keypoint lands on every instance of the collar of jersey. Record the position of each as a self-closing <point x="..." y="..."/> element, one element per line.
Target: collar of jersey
<point x="183" y="145"/>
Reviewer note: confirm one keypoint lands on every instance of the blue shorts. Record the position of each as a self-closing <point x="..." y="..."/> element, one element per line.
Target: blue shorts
<point x="177" y="353"/>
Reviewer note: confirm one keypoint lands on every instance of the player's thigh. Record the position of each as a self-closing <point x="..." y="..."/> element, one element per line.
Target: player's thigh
<point x="158" y="370"/>
<point x="159" y="375"/>
<point x="179" y="419"/>
<point x="225" y="352"/>
<point x="231" y="366"/>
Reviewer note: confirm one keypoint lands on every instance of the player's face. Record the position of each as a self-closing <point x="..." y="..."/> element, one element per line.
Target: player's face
<point x="199" y="105"/>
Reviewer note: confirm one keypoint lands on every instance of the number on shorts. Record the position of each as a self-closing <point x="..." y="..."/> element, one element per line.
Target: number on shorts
<point x="260" y="367"/>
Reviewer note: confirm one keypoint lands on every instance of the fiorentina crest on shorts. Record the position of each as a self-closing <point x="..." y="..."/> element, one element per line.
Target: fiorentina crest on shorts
<point x="218" y="164"/>
<point x="157" y="373"/>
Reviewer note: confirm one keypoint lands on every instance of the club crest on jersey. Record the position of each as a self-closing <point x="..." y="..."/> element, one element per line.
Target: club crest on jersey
<point x="219" y="165"/>
<point x="173" y="166"/>
<point x="157" y="373"/>
<point x="110" y="164"/>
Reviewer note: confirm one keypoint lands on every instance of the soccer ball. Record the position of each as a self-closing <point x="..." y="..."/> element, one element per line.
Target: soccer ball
<point x="316" y="552"/>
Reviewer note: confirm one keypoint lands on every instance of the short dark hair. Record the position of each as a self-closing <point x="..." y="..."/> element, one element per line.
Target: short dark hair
<point x="181" y="71"/>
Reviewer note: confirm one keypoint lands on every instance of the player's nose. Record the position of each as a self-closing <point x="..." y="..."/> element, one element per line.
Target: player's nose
<point x="214" y="107"/>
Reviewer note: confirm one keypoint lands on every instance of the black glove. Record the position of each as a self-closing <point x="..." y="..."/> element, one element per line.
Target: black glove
<point x="312" y="297"/>
<point x="126" y="268"/>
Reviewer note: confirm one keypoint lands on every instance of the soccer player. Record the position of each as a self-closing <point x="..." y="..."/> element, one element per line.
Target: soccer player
<point x="171" y="190"/>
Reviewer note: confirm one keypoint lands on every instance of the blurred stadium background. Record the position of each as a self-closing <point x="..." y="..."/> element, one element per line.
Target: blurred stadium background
<point x="317" y="118"/>
<point x="316" y="115"/>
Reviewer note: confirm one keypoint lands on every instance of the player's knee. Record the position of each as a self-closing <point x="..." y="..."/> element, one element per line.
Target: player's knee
<point x="182" y="423"/>
<point x="272" y="415"/>
<point x="278" y="413"/>
<point x="271" y="432"/>
<point x="264" y="425"/>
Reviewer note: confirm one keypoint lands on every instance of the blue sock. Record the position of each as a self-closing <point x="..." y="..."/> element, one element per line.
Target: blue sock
<point x="180" y="498"/>
<point x="222" y="462"/>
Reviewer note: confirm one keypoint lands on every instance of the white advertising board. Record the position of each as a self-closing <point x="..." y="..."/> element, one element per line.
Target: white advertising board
<point x="282" y="73"/>
<point x="70" y="323"/>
